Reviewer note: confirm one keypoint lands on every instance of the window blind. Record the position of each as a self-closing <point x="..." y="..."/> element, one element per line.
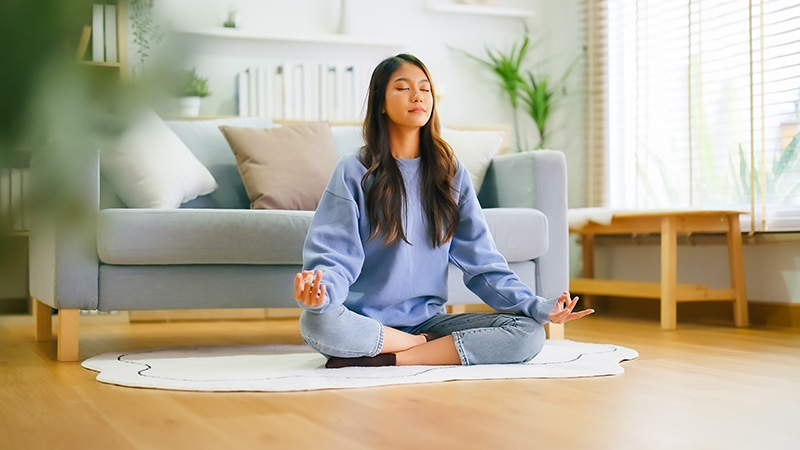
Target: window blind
<point x="696" y="104"/>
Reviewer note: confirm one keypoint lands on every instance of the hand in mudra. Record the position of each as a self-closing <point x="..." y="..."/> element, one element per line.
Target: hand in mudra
<point x="563" y="310"/>
<point x="307" y="288"/>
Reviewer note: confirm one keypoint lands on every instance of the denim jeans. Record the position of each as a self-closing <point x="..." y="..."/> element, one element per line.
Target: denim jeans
<point x="480" y="338"/>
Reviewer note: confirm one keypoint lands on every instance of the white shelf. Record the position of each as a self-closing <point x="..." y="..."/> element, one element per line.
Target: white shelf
<point x="480" y="10"/>
<point x="237" y="33"/>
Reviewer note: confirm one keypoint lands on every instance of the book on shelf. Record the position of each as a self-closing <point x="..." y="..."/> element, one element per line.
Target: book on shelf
<point x="330" y="92"/>
<point x="5" y="199"/>
<point x="303" y="91"/>
<point x="288" y="90"/>
<point x="98" y="35"/>
<point x="83" y="44"/>
<point x="110" y="32"/>
<point x="260" y="97"/>
<point x="25" y="201"/>
<point x="277" y="91"/>
<point x="298" y="92"/>
<point x="241" y="94"/>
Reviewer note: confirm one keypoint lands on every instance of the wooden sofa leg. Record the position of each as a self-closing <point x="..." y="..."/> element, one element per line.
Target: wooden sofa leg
<point x="554" y="331"/>
<point x="68" y="334"/>
<point x="44" y="320"/>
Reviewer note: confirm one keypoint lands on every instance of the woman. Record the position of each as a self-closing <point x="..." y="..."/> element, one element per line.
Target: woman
<point x="377" y="252"/>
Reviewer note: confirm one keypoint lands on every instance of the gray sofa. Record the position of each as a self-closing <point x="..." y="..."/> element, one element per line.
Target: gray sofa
<point x="214" y="252"/>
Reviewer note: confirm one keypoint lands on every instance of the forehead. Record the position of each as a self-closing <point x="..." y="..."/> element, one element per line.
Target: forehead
<point x="409" y="72"/>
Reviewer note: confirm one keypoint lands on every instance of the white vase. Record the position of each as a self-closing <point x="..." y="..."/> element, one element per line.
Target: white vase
<point x="190" y="106"/>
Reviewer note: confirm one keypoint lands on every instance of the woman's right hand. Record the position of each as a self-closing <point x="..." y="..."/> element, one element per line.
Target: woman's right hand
<point x="307" y="288"/>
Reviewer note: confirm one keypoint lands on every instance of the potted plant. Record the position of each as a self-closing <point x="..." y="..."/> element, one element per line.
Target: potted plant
<point x="192" y="89"/>
<point x="533" y="89"/>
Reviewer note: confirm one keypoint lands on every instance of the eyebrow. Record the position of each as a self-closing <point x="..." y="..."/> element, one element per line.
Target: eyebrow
<point x="425" y="80"/>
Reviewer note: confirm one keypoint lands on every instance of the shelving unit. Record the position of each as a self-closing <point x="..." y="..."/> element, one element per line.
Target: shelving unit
<point x="120" y="67"/>
<point x="335" y="39"/>
<point x="479" y="10"/>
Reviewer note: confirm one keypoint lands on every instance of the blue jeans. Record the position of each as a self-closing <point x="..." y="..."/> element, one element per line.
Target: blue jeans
<point x="480" y="338"/>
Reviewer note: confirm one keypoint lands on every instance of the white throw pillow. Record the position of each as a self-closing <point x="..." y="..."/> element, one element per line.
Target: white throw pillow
<point x="150" y="167"/>
<point x="475" y="149"/>
<point x="347" y="139"/>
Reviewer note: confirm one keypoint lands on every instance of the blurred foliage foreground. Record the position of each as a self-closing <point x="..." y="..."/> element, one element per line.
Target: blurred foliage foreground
<point x="54" y="110"/>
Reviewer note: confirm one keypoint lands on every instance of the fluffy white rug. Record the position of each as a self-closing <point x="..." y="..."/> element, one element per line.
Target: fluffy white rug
<point x="298" y="368"/>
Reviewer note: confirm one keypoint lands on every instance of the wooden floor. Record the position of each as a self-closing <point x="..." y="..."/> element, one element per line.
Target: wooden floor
<point x="700" y="387"/>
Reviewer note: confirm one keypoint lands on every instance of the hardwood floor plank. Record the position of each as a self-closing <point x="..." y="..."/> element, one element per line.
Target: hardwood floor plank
<point x="700" y="386"/>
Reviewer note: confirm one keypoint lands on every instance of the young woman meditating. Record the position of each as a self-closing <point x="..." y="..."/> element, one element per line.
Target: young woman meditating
<point x="391" y="219"/>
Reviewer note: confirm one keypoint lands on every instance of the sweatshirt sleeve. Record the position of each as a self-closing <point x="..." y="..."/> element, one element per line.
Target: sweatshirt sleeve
<point x="486" y="272"/>
<point x="333" y="244"/>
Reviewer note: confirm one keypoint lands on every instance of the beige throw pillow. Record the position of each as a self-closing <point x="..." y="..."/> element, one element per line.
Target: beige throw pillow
<point x="286" y="167"/>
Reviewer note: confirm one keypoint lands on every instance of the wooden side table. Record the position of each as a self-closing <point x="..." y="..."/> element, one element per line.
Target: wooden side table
<point x="668" y="224"/>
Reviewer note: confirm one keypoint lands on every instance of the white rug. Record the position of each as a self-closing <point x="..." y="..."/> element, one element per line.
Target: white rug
<point x="299" y="368"/>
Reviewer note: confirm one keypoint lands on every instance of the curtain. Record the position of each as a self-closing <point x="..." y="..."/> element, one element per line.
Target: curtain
<point x="695" y="104"/>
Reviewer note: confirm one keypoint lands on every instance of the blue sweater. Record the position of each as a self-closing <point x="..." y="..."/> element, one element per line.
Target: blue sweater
<point x="401" y="284"/>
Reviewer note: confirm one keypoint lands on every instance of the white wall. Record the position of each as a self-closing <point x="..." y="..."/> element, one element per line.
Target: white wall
<point x="469" y="95"/>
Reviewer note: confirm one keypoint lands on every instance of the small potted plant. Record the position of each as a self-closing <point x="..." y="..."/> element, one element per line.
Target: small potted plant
<point x="192" y="89"/>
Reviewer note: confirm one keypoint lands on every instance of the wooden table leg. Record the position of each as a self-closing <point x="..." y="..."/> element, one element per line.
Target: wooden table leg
<point x="554" y="331"/>
<point x="736" y="258"/>
<point x="588" y="266"/>
<point x="669" y="273"/>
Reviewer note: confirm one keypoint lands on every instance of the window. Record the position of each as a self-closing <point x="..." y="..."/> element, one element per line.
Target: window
<point x="696" y="104"/>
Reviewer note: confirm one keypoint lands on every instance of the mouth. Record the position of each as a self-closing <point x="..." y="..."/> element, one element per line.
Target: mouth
<point x="417" y="110"/>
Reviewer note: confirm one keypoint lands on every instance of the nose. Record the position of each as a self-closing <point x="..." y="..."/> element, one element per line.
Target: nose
<point x="418" y="96"/>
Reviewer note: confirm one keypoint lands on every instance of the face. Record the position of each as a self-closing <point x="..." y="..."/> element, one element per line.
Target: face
<point x="409" y="102"/>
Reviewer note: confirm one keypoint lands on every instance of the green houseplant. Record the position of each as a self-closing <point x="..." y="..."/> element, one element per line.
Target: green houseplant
<point x="192" y="88"/>
<point x="146" y="32"/>
<point x="532" y="89"/>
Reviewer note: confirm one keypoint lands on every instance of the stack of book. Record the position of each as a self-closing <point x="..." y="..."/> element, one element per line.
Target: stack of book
<point x="304" y="91"/>
<point x="14" y="199"/>
<point x="103" y="34"/>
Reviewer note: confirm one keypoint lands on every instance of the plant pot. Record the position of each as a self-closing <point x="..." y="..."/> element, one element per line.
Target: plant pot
<point x="190" y="106"/>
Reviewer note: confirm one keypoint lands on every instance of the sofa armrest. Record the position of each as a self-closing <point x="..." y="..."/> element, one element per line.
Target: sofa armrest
<point x="535" y="179"/>
<point x="63" y="243"/>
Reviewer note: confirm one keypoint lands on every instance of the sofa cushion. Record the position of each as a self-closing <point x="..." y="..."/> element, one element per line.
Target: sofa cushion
<point x="201" y="236"/>
<point x="206" y="141"/>
<point x="286" y="167"/>
<point x="150" y="167"/>
<point x="520" y="233"/>
<point x="223" y="236"/>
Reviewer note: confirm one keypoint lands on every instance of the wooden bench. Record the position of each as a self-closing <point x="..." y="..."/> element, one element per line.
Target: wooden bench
<point x="668" y="224"/>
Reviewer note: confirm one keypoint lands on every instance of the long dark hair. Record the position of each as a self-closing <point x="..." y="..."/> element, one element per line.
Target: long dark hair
<point x="387" y="195"/>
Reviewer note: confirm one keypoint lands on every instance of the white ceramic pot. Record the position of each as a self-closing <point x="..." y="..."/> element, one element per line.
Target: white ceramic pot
<point x="190" y="106"/>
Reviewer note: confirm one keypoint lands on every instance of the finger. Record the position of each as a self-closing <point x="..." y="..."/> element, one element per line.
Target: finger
<point x="309" y="283"/>
<point x="559" y="317"/>
<point x="319" y="279"/>
<point x="580" y="314"/>
<point x="319" y="298"/>
<point x="573" y="303"/>
<point x="298" y="286"/>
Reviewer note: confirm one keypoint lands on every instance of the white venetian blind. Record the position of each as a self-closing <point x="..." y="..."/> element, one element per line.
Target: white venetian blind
<point x="695" y="104"/>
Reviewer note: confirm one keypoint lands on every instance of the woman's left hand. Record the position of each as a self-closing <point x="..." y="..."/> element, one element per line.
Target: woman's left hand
<point x="563" y="310"/>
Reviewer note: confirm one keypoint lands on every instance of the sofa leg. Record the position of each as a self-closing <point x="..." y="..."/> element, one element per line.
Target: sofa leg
<point x="44" y="320"/>
<point x="554" y="331"/>
<point x="68" y="334"/>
